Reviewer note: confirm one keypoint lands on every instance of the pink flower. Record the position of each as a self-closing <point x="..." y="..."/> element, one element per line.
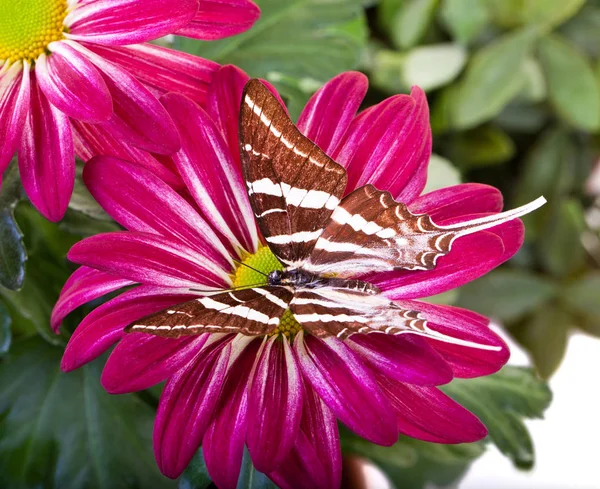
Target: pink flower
<point x="80" y="72"/>
<point x="279" y="395"/>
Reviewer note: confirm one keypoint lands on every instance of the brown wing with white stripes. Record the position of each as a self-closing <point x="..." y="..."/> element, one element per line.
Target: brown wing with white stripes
<point x="293" y="185"/>
<point x="370" y="232"/>
<point x="251" y="312"/>
<point x="343" y="312"/>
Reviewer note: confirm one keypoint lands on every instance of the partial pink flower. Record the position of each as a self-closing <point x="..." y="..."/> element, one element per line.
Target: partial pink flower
<point x="77" y="75"/>
<point x="280" y="395"/>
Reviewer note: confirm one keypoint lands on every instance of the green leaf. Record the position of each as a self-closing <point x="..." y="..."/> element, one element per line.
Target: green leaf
<point x="582" y="297"/>
<point x="12" y="252"/>
<point x="534" y="88"/>
<point x="411" y="22"/>
<point x="572" y="86"/>
<point x="465" y="19"/>
<point x="386" y="11"/>
<point x="82" y="201"/>
<point x="545" y="337"/>
<point x="490" y="81"/>
<point x="387" y="71"/>
<point x="584" y="30"/>
<point x="501" y="401"/>
<point x="433" y="66"/>
<point x="5" y="333"/>
<point x="507" y="295"/>
<point x="440" y="173"/>
<point x="483" y="146"/>
<point x="415" y="464"/>
<point x="300" y="38"/>
<point x="560" y="247"/>
<point x="250" y="478"/>
<point x="550" y="13"/>
<point x="47" y="272"/>
<point x="63" y="430"/>
<point x="507" y="13"/>
<point x="196" y="474"/>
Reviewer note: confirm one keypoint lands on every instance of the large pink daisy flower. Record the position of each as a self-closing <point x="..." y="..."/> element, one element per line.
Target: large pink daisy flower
<point x="81" y="70"/>
<point x="279" y="395"/>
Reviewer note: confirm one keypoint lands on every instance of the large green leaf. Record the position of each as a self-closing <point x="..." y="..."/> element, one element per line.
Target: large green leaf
<point x="63" y="430"/>
<point x="47" y="272"/>
<point x="550" y="13"/>
<point x="305" y="39"/>
<point x="12" y="251"/>
<point x="572" y="86"/>
<point x="196" y="475"/>
<point x="433" y="66"/>
<point x="5" y="332"/>
<point x="507" y="295"/>
<point x="501" y="401"/>
<point x="415" y="464"/>
<point x="560" y="247"/>
<point x="465" y="19"/>
<point x="582" y="297"/>
<point x="483" y="146"/>
<point x="545" y="336"/>
<point x="490" y="81"/>
<point x="411" y="21"/>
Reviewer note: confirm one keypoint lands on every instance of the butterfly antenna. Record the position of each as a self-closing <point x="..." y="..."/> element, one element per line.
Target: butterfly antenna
<point x="232" y="289"/>
<point x="248" y="266"/>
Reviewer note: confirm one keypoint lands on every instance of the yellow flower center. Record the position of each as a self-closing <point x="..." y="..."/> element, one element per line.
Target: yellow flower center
<point x="264" y="261"/>
<point x="28" y="26"/>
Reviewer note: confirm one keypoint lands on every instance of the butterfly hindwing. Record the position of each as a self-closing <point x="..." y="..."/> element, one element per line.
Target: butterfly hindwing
<point x="370" y="232"/>
<point x="254" y="311"/>
<point x="293" y="185"/>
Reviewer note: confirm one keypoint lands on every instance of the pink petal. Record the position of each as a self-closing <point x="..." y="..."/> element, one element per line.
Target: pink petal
<point x="73" y="85"/>
<point x="187" y="405"/>
<point x="211" y="175"/>
<point x="46" y="157"/>
<point x="162" y="69"/>
<point x="348" y="388"/>
<point x="140" y="201"/>
<point x="315" y="462"/>
<point x="14" y="106"/>
<point x="150" y="259"/>
<point x="217" y="19"/>
<point x="223" y="103"/>
<point x="389" y="146"/>
<point x="223" y="443"/>
<point x="119" y="22"/>
<point x="471" y="257"/>
<point x="404" y="358"/>
<point x="458" y="201"/>
<point x="274" y="405"/>
<point x="465" y="361"/>
<point x="141" y="360"/>
<point x="84" y="285"/>
<point x="138" y="117"/>
<point x="428" y="414"/>
<point x="93" y="140"/>
<point x="329" y="112"/>
<point x="104" y="325"/>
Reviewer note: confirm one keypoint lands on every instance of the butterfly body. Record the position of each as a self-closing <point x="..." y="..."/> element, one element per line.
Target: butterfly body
<point x="299" y="279"/>
<point x="325" y="240"/>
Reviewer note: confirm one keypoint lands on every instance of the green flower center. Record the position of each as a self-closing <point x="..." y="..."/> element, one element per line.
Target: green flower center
<point x="264" y="261"/>
<point x="27" y="27"/>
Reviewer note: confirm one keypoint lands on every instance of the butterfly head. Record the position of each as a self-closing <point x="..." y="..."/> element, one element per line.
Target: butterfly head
<point x="275" y="277"/>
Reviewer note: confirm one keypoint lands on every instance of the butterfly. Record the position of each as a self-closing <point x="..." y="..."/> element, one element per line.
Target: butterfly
<point x="325" y="241"/>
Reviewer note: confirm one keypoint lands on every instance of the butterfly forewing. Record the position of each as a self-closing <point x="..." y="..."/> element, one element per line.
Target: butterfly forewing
<point x="293" y="185"/>
<point x="251" y="312"/>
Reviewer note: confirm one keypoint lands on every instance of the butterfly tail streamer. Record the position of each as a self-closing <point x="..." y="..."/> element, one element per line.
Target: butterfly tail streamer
<point x="482" y="223"/>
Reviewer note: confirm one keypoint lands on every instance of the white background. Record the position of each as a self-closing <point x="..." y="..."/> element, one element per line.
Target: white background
<point x="567" y="441"/>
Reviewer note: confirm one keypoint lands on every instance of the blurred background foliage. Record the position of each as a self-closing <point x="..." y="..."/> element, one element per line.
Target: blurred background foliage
<point x="514" y="93"/>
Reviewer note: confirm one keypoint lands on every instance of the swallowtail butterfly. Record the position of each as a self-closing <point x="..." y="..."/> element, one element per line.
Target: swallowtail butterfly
<point x="323" y="238"/>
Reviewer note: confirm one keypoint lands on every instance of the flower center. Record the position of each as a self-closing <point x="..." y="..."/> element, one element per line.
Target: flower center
<point x="27" y="27"/>
<point x="264" y="261"/>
